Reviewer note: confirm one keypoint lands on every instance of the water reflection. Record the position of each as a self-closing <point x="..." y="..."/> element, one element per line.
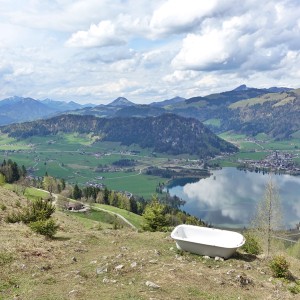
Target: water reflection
<point x="229" y="197"/>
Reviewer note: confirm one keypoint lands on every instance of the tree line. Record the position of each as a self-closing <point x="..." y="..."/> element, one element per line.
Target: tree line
<point x="164" y="207"/>
<point x="10" y="172"/>
<point x="159" y="212"/>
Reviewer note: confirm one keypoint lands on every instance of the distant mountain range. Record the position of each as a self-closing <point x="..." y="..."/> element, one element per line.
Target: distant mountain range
<point x="168" y="102"/>
<point x="19" y="109"/>
<point x="167" y="133"/>
<point x="247" y="110"/>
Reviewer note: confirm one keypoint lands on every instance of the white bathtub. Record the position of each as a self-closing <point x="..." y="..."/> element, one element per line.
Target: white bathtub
<point x="207" y="241"/>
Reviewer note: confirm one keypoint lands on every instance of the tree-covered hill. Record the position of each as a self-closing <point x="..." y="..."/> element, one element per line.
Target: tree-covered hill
<point x="276" y="114"/>
<point x="167" y="133"/>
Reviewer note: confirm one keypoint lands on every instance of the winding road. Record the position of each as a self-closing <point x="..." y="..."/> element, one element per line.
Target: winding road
<point x="55" y="196"/>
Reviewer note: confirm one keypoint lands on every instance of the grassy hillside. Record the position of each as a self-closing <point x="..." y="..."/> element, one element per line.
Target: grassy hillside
<point x="278" y="98"/>
<point x="87" y="263"/>
<point x="275" y="114"/>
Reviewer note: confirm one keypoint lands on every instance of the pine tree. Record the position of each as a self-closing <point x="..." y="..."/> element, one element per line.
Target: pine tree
<point x="106" y="196"/>
<point x="155" y="216"/>
<point x="77" y="193"/>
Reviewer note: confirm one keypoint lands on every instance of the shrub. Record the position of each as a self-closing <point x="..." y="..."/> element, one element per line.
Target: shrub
<point x="116" y="223"/>
<point x="47" y="228"/>
<point x="251" y="245"/>
<point x="280" y="267"/>
<point x="13" y="218"/>
<point x="295" y="288"/>
<point x="37" y="215"/>
<point x="34" y="211"/>
<point x="37" y="210"/>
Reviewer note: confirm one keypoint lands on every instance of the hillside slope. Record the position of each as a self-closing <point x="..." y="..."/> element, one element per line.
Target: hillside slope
<point x="276" y="114"/>
<point x="168" y="133"/>
<point x="87" y="263"/>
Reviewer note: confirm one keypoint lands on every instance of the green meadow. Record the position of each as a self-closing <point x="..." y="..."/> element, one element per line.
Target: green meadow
<point x="78" y="159"/>
<point x="81" y="159"/>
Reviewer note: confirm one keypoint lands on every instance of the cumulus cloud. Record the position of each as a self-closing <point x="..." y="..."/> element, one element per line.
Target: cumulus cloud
<point x="176" y="16"/>
<point x="185" y="47"/>
<point x="235" y="42"/>
<point x="180" y="75"/>
<point x="102" y="35"/>
<point x="117" y="87"/>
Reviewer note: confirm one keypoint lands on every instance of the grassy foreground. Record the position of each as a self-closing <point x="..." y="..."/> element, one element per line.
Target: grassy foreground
<point x="88" y="263"/>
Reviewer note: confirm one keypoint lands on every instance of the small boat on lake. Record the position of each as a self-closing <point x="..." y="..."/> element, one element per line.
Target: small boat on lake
<point x="207" y="241"/>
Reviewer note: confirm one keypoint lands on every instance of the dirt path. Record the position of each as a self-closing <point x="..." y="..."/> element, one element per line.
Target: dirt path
<point x="118" y="215"/>
<point x="55" y="196"/>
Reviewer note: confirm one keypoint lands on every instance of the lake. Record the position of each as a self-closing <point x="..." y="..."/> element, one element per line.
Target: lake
<point x="228" y="198"/>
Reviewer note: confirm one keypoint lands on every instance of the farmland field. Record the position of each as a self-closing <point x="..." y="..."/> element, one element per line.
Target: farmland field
<point x="79" y="159"/>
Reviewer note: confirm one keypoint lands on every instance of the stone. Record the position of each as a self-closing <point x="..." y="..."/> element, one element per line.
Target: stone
<point x="106" y="280"/>
<point x="72" y="292"/>
<point x="247" y="267"/>
<point x="152" y="285"/>
<point x="74" y="259"/>
<point x="133" y="264"/>
<point x="206" y="257"/>
<point x="217" y="258"/>
<point x="101" y="270"/>
<point x="230" y="271"/>
<point x="244" y="280"/>
<point x="93" y="262"/>
<point x="153" y="261"/>
<point x="119" y="267"/>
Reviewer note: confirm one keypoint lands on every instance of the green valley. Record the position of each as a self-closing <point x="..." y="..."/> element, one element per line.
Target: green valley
<point x="77" y="159"/>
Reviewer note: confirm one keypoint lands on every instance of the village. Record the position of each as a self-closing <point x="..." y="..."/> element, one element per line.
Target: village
<point x="277" y="161"/>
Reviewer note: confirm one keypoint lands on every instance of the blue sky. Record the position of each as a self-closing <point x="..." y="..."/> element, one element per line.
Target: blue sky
<point x="98" y="50"/>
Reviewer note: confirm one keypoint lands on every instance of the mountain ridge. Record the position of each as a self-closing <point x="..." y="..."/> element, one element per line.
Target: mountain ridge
<point x="167" y="133"/>
<point x="121" y="102"/>
<point x="220" y="111"/>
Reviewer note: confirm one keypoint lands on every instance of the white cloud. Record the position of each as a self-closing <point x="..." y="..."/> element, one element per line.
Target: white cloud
<point x="180" y="76"/>
<point x="106" y="90"/>
<point x="168" y="47"/>
<point x="176" y="16"/>
<point x="237" y="43"/>
<point x="202" y="52"/>
<point x="208" y="81"/>
<point x="102" y="35"/>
